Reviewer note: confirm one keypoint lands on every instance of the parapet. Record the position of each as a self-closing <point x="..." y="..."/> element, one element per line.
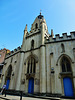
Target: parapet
<point x="16" y="50"/>
<point x="72" y="34"/>
<point x="64" y="37"/>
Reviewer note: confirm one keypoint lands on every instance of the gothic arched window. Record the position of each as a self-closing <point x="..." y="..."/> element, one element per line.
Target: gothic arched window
<point x="31" y="65"/>
<point x="32" y="44"/>
<point x="9" y="71"/>
<point x="36" y="26"/>
<point x="63" y="48"/>
<point x="66" y="66"/>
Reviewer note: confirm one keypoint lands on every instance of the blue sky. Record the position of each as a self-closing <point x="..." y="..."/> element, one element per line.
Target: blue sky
<point x="15" y="14"/>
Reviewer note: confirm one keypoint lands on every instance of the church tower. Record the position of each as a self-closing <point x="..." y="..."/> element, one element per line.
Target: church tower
<point x="34" y="46"/>
<point x="43" y="64"/>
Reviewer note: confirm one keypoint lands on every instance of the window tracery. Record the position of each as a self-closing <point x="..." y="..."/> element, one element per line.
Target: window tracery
<point x="66" y="66"/>
<point x="31" y="66"/>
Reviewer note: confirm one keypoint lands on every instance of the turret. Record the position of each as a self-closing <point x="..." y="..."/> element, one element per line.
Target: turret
<point x="42" y="57"/>
<point x="42" y="32"/>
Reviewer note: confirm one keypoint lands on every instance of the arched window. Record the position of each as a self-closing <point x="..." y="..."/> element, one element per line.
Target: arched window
<point x="36" y="26"/>
<point x="11" y="60"/>
<point x="9" y="71"/>
<point x="66" y="66"/>
<point x="63" y="48"/>
<point x="32" y="44"/>
<point x="31" y="65"/>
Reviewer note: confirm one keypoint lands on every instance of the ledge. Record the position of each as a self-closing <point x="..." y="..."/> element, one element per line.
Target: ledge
<point x="66" y="73"/>
<point x="29" y="75"/>
<point x="32" y="34"/>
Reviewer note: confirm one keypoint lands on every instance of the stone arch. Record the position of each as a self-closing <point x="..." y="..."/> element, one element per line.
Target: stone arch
<point x="8" y="76"/>
<point x="31" y="68"/>
<point x="65" y="74"/>
<point x="65" y="64"/>
<point x="8" y="73"/>
<point x="32" y="55"/>
<point x="64" y="55"/>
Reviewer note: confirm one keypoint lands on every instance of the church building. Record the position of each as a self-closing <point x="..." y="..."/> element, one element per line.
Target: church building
<point x="43" y="63"/>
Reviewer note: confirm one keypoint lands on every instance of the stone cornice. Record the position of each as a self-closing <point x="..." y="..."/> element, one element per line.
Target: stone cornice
<point x="49" y="42"/>
<point x="24" y="51"/>
<point x="32" y="34"/>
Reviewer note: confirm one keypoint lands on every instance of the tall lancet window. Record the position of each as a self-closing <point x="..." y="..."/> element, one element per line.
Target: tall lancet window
<point x="32" y="44"/>
<point x="31" y="65"/>
<point x="36" y="26"/>
<point x="62" y="47"/>
<point x="66" y="66"/>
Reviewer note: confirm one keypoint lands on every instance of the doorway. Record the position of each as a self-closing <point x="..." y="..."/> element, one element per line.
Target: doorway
<point x="7" y="84"/>
<point x="68" y="88"/>
<point x="31" y="86"/>
<point x="8" y="76"/>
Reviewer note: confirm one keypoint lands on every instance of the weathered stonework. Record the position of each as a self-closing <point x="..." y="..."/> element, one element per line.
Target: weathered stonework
<point x="39" y="60"/>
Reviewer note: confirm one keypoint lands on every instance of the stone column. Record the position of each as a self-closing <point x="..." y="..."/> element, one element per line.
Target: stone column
<point x="51" y="56"/>
<point x="42" y="62"/>
<point x="42" y="71"/>
<point x="48" y="71"/>
<point x="20" y="72"/>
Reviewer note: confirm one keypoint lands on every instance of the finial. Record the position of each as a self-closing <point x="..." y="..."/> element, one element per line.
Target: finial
<point x="26" y="28"/>
<point x="51" y="31"/>
<point x="40" y="11"/>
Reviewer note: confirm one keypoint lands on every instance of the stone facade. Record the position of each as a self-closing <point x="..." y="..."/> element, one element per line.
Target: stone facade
<point x="43" y="63"/>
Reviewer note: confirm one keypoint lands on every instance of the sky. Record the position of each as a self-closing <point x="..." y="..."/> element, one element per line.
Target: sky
<point x="15" y="14"/>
